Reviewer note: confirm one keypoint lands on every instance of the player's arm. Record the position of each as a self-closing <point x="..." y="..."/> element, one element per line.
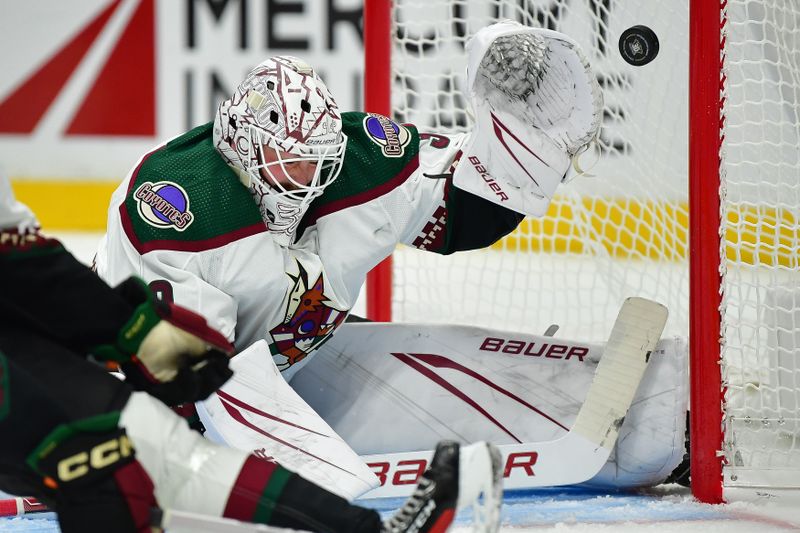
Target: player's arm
<point x="45" y="287"/>
<point x="470" y="221"/>
<point x="164" y="349"/>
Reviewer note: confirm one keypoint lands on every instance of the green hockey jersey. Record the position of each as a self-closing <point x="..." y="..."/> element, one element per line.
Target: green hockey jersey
<point x="184" y="222"/>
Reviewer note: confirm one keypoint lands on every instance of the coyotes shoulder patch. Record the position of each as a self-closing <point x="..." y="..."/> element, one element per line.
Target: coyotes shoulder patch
<point x="164" y="205"/>
<point x="389" y="135"/>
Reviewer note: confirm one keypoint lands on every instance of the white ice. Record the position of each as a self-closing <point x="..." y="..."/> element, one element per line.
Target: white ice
<point x="666" y="509"/>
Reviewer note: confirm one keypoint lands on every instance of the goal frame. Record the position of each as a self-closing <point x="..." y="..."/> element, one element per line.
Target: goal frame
<point x="378" y="99"/>
<point x="706" y="81"/>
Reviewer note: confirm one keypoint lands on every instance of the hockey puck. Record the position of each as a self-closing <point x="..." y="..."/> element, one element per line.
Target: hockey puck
<point x="638" y="45"/>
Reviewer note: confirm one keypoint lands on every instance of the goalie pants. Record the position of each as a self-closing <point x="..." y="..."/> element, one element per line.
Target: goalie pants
<point x="44" y="386"/>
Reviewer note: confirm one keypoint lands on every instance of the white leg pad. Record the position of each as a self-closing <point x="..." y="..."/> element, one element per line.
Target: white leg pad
<point x="257" y="411"/>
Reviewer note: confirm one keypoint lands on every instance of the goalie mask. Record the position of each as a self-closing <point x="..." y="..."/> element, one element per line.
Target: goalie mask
<point x="281" y="132"/>
<point x="537" y="106"/>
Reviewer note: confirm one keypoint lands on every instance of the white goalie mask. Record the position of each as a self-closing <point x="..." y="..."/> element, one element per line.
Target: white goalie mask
<point x="281" y="132"/>
<point x="537" y="106"/>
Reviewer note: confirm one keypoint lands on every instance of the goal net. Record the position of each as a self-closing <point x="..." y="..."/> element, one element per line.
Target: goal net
<point x="624" y="230"/>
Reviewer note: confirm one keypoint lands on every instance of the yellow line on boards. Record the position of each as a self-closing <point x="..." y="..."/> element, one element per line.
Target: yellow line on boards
<point x="626" y="228"/>
<point x="67" y="205"/>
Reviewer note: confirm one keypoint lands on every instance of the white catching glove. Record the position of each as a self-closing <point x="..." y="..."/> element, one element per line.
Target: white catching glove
<point x="537" y="104"/>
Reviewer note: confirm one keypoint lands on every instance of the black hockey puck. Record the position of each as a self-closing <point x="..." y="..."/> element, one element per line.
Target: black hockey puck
<point x="638" y="45"/>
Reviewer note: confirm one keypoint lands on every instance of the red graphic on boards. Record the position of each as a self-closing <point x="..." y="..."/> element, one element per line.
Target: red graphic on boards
<point x="120" y="100"/>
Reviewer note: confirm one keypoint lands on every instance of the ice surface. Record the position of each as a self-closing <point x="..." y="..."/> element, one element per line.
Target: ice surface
<point x="666" y="509"/>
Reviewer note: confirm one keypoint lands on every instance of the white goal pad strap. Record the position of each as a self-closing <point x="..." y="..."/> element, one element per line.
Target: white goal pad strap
<point x="258" y="412"/>
<point x="536" y="104"/>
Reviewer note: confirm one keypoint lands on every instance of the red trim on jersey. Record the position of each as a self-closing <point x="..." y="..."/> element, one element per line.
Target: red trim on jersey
<point x="246" y="492"/>
<point x="364" y="196"/>
<point x="196" y="246"/>
<point x="178" y="245"/>
<point x="138" y="491"/>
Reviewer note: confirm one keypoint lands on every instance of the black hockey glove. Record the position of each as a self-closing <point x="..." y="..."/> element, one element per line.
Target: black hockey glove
<point x="167" y="350"/>
<point x="195" y="380"/>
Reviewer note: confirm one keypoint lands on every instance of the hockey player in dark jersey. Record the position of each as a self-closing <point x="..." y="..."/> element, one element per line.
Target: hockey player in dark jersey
<point x="107" y="454"/>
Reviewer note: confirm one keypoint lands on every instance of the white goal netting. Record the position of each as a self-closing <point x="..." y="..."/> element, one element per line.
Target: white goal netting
<point x="761" y="215"/>
<point x="624" y="232"/>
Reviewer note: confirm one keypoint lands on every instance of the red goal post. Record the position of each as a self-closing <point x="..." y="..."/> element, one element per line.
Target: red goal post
<point x="695" y="204"/>
<point x="705" y="82"/>
<point x="377" y="99"/>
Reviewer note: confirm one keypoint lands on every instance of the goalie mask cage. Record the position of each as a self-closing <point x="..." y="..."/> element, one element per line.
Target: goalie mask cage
<point x="694" y="202"/>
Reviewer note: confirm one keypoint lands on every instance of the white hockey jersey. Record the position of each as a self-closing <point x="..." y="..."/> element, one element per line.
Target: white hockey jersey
<point x="184" y="222"/>
<point x="13" y="213"/>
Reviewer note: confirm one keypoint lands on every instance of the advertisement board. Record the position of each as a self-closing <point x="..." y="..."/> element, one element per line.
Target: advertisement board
<point x="92" y="85"/>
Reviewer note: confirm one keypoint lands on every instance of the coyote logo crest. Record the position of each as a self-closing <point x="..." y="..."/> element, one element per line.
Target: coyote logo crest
<point x="309" y="320"/>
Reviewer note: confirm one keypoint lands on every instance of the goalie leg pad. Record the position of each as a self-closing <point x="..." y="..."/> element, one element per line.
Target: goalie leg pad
<point x="258" y="410"/>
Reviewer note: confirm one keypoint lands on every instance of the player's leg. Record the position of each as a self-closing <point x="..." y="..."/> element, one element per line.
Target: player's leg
<point x="24" y="418"/>
<point x="193" y="474"/>
<point x="75" y="437"/>
<point x="196" y="475"/>
<point x="60" y="441"/>
<point x="103" y="458"/>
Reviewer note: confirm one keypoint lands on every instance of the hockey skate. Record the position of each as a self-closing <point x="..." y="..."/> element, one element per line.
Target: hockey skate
<point x="458" y="477"/>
